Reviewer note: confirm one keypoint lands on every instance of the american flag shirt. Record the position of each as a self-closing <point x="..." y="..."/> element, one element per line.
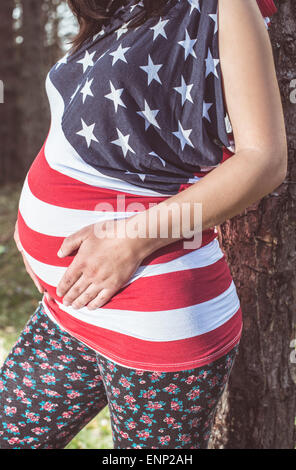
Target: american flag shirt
<point x="137" y="115"/>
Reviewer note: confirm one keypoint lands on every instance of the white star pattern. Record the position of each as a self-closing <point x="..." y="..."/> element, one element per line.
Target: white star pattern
<point x="188" y="45"/>
<point x="194" y="5"/>
<point x="158" y="29"/>
<point x="159" y="158"/>
<point x="184" y="91"/>
<point x="205" y="110"/>
<point x="119" y="54"/>
<point x="87" y="133"/>
<point x="211" y="65"/>
<point x="215" y="19"/>
<point x="176" y="106"/>
<point x="122" y="142"/>
<point x="152" y="70"/>
<point x="87" y="61"/>
<point x="115" y="96"/>
<point x="86" y="90"/>
<point x="149" y="116"/>
<point x="183" y="136"/>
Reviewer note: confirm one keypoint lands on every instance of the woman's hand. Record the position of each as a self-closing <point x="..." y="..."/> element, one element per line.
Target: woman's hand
<point x="105" y="261"/>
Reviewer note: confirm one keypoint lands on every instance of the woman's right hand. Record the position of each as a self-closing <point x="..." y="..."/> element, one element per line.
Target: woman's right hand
<point x="28" y="268"/>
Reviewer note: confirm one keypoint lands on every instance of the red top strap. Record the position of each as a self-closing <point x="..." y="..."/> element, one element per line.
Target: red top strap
<point x="267" y="7"/>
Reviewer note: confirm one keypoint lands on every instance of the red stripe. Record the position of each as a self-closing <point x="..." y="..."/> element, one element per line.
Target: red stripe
<point x="210" y="281"/>
<point x="162" y="356"/>
<point x="44" y="248"/>
<point x="267" y="7"/>
<point x="57" y="189"/>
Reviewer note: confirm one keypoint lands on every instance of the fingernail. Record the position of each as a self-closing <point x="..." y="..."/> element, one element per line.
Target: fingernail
<point x="65" y="302"/>
<point x="60" y="253"/>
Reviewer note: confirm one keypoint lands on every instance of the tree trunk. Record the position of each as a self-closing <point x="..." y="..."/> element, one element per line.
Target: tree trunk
<point x="10" y="165"/>
<point x="259" y="407"/>
<point x="35" y="113"/>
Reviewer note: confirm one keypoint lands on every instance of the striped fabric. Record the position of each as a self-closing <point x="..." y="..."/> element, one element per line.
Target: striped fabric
<point x="180" y="309"/>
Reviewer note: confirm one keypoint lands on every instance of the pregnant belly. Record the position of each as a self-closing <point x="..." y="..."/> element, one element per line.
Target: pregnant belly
<point x="185" y="296"/>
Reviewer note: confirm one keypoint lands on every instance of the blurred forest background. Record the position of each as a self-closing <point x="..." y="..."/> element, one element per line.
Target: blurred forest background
<point x="259" y="406"/>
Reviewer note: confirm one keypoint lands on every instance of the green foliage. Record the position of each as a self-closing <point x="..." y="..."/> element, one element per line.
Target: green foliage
<point x="18" y="300"/>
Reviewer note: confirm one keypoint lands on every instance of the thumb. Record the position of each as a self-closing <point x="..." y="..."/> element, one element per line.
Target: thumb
<point x="70" y="244"/>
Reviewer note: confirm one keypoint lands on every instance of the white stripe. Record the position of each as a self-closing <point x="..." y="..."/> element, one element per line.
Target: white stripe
<point x="59" y="221"/>
<point x="199" y="258"/>
<point x="62" y="157"/>
<point x="166" y="325"/>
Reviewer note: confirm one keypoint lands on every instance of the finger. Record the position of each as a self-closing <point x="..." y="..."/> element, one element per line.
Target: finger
<point x="71" y="276"/>
<point x="70" y="244"/>
<point x="103" y="297"/>
<point x="87" y="296"/>
<point x="76" y="290"/>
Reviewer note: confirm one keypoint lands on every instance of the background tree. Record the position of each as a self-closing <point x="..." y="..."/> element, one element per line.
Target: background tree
<point x="10" y="161"/>
<point x="258" y="410"/>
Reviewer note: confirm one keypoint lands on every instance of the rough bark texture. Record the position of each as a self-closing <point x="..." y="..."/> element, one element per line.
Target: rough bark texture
<point x="10" y="163"/>
<point x="259" y="407"/>
<point x="35" y="115"/>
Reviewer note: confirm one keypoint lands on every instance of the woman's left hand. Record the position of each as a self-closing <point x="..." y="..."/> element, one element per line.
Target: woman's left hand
<point x="103" y="264"/>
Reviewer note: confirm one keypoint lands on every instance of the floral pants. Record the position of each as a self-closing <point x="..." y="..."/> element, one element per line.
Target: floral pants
<point x="52" y="385"/>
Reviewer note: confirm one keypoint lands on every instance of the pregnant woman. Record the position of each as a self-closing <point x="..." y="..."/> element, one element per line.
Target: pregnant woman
<point x="145" y="137"/>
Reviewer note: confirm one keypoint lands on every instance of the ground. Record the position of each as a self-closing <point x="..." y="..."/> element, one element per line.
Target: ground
<point x="19" y="298"/>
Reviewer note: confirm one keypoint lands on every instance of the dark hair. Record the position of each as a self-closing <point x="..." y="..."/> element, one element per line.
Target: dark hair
<point x="93" y="14"/>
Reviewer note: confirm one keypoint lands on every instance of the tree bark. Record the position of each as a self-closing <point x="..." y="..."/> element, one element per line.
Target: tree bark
<point x="10" y="163"/>
<point x="35" y="112"/>
<point x="258" y="409"/>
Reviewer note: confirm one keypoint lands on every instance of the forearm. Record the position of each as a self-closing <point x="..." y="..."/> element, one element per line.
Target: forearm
<point x="223" y="193"/>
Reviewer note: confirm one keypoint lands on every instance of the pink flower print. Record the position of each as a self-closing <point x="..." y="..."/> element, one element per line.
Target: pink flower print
<point x="129" y="399"/>
<point x="10" y="363"/>
<point x="124" y="382"/>
<point x="1" y="385"/>
<point x="37" y="338"/>
<point x="154" y="406"/>
<point x="33" y="417"/>
<point x="146" y="419"/>
<point x="19" y="393"/>
<point x="44" y="325"/>
<point x="195" y="408"/>
<point x="155" y="376"/>
<point x="143" y="434"/>
<point x="45" y="366"/>
<point x="9" y="410"/>
<point x="66" y="359"/>
<point x="67" y="414"/>
<point x="169" y="420"/>
<point x="149" y="394"/>
<point x="131" y="425"/>
<point x="26" y="401"/>
<point x="203" y="375"/>
<point x="51" y="393"/>
<point x="27" y="381"/>
<point x="185" y="438"/>
<point x="75" y="376"/>
<point x="171" y="388"/>
<point x="191" y="379"/>
<point x="175" y="406"/>
<point x="41" y="354"/>
<point x="48" y="379"/>
<point x="164" y="440"/>
<point x="193" y="394"/>
<point x="111" y="366"/>
<point x="139" y="372"/>
<point x="39" y="431"/>
<point x="195" y="422"/>
<point x="26" y="366"/>
<point x="115" y="391"/>
<point x="88" y="358"/>
<point x="13" y="440"/>
<point x="73" y="394"/>
<point x="9" y="374"/>
<point x="18" y="351"/>
<point x="13" y="428"/>
<point x="51" y="332"/>
<point x="55" y="344"/>
<point x="48" y="406"/>
<point x="124" y="435"/>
